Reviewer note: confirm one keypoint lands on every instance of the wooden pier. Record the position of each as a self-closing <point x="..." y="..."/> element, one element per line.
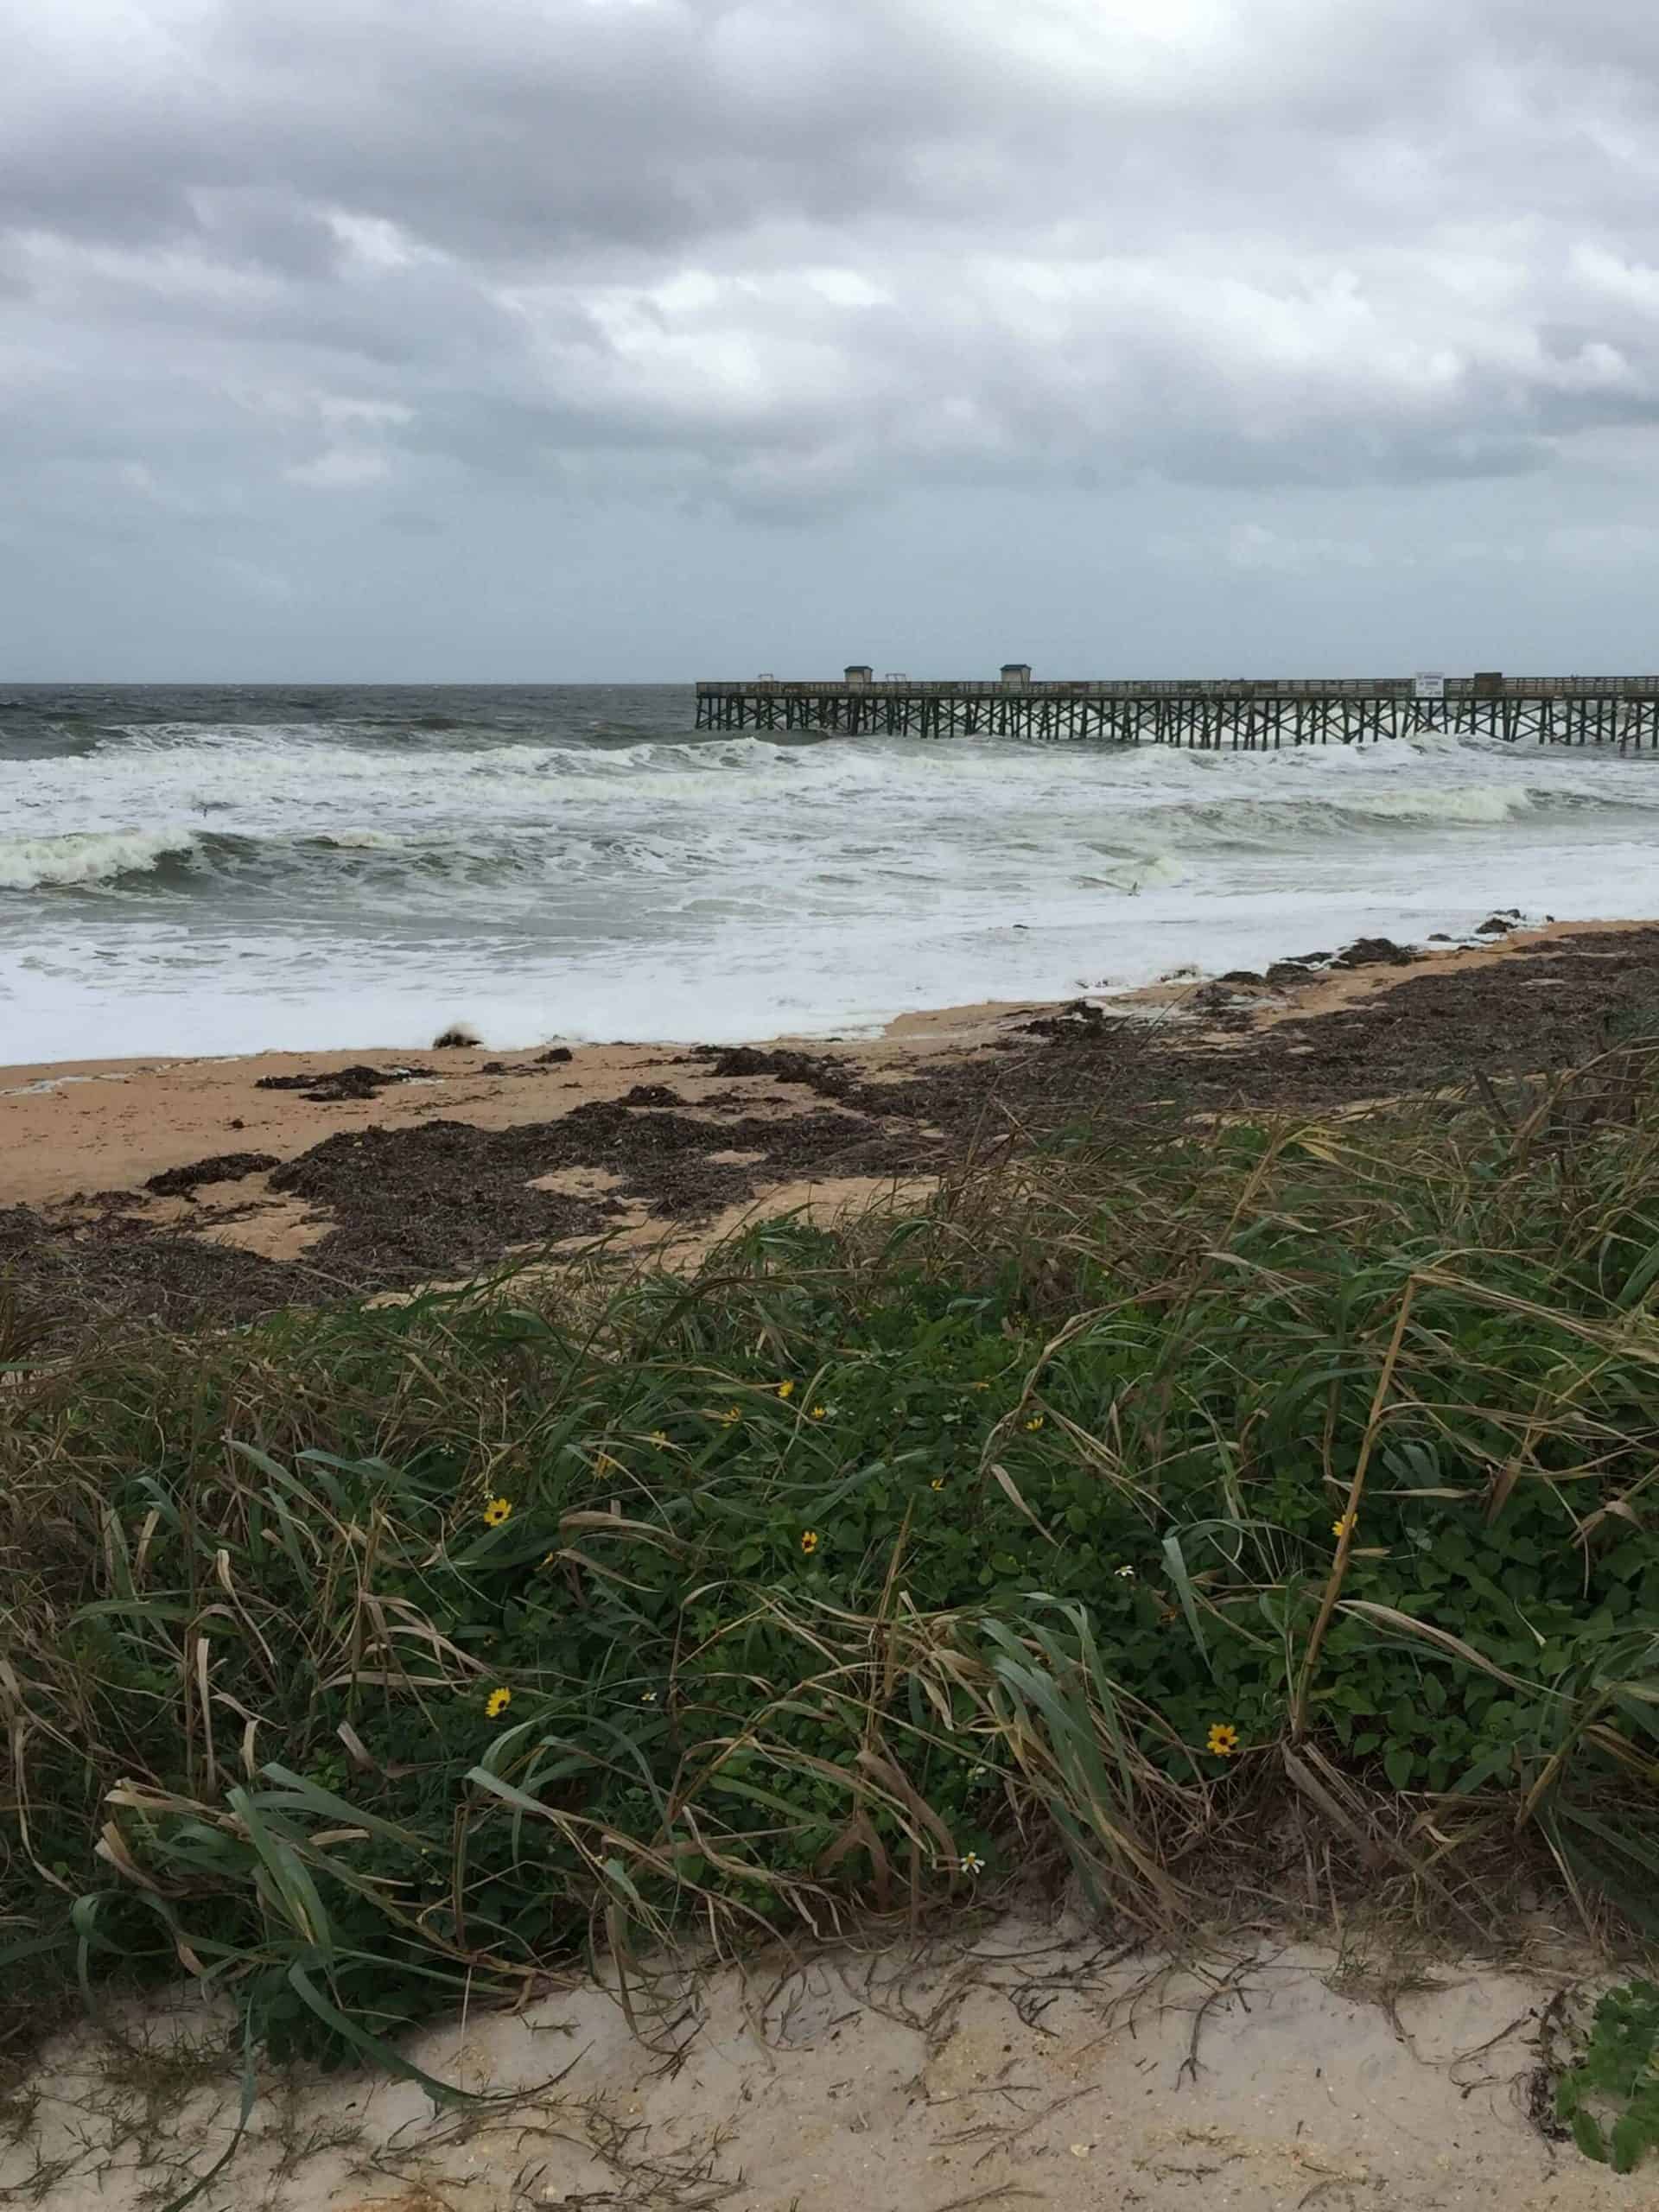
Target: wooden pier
<point x="1242" y="715"/>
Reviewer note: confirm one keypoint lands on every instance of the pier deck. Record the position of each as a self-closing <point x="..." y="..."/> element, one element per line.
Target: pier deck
<point x="1243" y="715"/>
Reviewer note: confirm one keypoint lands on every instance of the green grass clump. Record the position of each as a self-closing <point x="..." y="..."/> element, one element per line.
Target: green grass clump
<point x="1096" y="1519"/>
<point x="1610" y="2098"/>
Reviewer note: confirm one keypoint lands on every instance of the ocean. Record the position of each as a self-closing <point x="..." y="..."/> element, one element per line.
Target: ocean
<point x="209" y="870"/>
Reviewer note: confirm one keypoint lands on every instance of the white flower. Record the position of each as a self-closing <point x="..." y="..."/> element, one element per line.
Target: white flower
<point x="647" y="1697"/>
<point x="1126" y="1574"/>
<point x="972" y="1864"/>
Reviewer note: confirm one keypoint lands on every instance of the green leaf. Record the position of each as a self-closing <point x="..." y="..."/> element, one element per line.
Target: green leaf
<point x="1631" y="2141"/>
<point x="1586" y="2133"/>
<point x="375" y="2049"/>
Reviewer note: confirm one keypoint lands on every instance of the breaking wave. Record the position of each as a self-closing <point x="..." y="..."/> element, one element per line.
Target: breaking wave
<point x="86" y="858"/>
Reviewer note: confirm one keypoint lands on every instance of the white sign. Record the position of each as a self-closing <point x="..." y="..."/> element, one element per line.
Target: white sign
<point x="1428" y="687"/>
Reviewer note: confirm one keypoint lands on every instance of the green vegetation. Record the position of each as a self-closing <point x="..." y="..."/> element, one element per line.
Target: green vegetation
<point x="1265" y="1507"/>
<point x="1617" y="2081"/>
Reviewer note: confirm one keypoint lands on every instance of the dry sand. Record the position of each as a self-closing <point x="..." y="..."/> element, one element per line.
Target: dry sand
<point x="1024" y="2065"/>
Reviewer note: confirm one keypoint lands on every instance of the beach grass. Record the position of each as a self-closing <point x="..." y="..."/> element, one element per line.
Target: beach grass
<point x="1236" y="1520"/>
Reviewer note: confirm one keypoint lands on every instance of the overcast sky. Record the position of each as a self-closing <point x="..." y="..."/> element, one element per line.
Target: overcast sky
<point x="644" y="339"/>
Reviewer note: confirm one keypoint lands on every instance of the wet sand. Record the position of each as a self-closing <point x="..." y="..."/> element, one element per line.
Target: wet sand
<point x="172" y="1190"/>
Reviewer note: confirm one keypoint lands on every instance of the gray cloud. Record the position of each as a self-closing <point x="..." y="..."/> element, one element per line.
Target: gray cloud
<point x="291" y="286"/>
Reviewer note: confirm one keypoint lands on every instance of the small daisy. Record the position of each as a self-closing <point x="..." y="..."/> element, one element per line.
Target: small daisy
<point x="1126" y="1574"/>
<point x="647" y="1697"/>
<point x="1223" y="1740"/>
<point x="498" y="1510"/>
<point x="809" y="1540"/>
<point x="497" y="1703"/>
<point x="972" y="1864"/>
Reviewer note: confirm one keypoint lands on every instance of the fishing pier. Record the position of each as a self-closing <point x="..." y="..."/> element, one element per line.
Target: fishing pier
<point x="1209" y="713"/>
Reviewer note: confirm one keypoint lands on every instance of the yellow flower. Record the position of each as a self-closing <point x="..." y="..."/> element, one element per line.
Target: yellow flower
<point x="550" y="1559"/>
<point x="818" y="1413"/>
<point x="497" y="1703"/>
<point x="980" y="1386"/>
<point x="809" y="1540"/>
<point x="1034" y="1423"/>
<point x="937" y="1483"/>
<point x="659" y="1440"/>
<point x="496" y="1511"/>
<point x="1223" y="1740"/>
<point x="1345" y="1526"/>
<point x="786" y="1389"/>
<point x="729" y="1418"/>
<point x="606" y="1465"/>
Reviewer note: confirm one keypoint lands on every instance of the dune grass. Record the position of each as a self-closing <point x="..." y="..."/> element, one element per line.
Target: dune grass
<point x="1258" y="1508"/>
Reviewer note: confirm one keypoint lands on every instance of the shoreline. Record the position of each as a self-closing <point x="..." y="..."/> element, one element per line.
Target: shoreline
<point x="72" y="1128"/>
<point x="174" y="1191"/>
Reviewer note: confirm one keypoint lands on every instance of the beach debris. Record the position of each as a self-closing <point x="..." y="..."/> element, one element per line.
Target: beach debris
<point x="1296" y="967"/>
<point x="1079" y="1018"/>
<point x="650" y="1094"/>
<point x="831" y="1078"/>
<point x="218" y="1167"/>
<point x="1373" y="952"/>
<point x="1222" y="1006"/>
<point x="338" y="1086"/>
<point x="559" y="1057"/>
<point x="455" y="1039"/>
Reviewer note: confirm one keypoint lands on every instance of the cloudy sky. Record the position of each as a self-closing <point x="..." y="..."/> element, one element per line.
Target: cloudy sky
<point x="644" y="339"/>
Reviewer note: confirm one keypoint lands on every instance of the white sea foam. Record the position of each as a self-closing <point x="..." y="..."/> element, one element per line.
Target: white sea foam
<point x="192" y="887"/>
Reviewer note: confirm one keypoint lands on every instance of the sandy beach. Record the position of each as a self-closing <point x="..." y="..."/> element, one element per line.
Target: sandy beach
<point x="170" y="1188"/>
<point x="1023" y="2061"/>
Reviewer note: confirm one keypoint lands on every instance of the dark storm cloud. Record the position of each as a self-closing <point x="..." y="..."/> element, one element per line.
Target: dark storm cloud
<point x="265" y="260"/>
